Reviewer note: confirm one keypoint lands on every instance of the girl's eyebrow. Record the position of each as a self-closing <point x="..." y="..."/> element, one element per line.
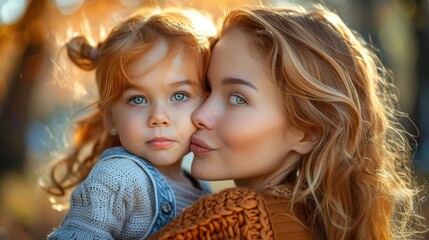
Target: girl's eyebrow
<point x="179" y="83"/>
<point x="129" y="86"/>
<point x="182" y="83"/>
<point x="239" y="81"/>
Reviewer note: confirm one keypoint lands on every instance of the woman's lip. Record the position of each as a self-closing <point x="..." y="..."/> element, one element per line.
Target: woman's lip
<point x="198" y="150"/>
<point x="160" y="143"/>
<point x="198" y="146"/>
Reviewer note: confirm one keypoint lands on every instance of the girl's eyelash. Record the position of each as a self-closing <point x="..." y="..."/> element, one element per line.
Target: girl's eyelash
<point x="131" y="98"/>
<point x="185" y="96"/>
<point x="182" y="92"/>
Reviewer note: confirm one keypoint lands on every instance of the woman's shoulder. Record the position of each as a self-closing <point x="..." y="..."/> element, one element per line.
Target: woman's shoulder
<point x="235" y="213"/>
<point x="285" y="223"/>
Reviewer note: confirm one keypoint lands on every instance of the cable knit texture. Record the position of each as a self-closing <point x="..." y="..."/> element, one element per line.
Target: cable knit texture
<point x="236" y="213"/>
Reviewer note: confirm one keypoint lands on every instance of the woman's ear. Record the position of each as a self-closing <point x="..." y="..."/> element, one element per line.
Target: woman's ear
<point x="307" y="142"/>
<point x="107" y="121"/>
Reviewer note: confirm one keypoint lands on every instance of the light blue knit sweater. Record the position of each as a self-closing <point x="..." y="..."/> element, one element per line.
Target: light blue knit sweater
<point x="117" y="201"/>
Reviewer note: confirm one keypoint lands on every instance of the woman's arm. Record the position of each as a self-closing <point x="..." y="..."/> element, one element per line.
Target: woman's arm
<point x="234" y="213"/>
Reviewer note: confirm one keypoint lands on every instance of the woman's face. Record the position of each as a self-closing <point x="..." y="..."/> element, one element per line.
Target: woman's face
<point x="242" y="131"/>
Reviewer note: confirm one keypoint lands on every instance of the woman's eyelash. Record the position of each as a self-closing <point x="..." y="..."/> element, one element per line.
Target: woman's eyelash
<point x="236" y="99"/>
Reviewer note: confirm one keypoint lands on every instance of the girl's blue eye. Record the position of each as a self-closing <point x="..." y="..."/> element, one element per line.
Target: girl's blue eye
<point x="180" y="97"/>
<point x="138" y="100"/>
<point x="237" y="100"/>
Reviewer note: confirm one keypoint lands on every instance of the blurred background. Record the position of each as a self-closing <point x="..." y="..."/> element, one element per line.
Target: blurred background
<point x="40" y="91"/>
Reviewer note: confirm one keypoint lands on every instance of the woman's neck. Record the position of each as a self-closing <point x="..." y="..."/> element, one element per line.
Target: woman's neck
<point x="261" y="183"/>
<point x="274" y="178"/>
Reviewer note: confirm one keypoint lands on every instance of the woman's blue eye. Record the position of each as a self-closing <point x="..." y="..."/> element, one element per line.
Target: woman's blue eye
<point x="180" y="97"/>
<point x="237" y="100"/>
<point x="138" y="100"/>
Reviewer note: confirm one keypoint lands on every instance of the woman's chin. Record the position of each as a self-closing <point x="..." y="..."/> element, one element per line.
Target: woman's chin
<point x="202" y="171"/>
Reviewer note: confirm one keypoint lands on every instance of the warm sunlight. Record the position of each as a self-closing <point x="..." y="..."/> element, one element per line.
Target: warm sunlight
<point x="203" y="23"/>
<point x="44" y="94"/>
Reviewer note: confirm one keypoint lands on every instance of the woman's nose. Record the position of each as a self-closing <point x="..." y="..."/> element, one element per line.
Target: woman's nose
<point x="203" y="117"/>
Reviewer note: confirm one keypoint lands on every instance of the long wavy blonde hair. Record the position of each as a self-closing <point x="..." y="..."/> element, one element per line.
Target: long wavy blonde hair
<point x="179" y="28"/>
<point x="357" y="182"/>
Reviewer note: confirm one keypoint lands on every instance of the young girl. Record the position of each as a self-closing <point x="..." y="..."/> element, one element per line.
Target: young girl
<point x="127" y="155"/>
<point x="302" y="116"/>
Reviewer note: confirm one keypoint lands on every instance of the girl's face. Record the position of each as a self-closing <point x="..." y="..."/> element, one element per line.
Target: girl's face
<point x="153" y="115"/>
<point x="242" y="131"/>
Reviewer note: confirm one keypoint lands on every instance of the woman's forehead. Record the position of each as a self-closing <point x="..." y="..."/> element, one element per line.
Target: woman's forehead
<point x="234" y="54"/>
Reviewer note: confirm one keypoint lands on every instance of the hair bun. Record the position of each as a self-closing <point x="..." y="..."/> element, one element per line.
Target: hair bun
<point x="93" y="54"/>
<point x="82" y="53"/>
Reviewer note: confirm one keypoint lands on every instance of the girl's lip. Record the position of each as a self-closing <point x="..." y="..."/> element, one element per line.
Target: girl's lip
<point x="160" y="143"/>
<point x="198" y="146"/>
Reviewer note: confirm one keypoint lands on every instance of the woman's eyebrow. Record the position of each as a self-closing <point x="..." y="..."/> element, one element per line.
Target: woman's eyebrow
<point x="232" y="81"/>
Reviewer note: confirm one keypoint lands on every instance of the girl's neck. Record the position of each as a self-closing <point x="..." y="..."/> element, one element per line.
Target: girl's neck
<point x="174" y="172"/>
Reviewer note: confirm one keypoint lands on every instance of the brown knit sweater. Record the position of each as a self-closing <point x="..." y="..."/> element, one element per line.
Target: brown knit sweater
<point x="236" y="213"/>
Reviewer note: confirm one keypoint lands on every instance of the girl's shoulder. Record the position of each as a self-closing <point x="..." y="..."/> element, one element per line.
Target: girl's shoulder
<point x="117" y="169"/>
<point x="120" y="161"/>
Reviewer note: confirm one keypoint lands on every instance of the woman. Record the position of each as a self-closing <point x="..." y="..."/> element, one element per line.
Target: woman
<point x="301" y="115"/>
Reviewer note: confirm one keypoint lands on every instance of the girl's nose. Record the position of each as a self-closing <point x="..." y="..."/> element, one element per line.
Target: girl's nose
<point x="159" y="117"/>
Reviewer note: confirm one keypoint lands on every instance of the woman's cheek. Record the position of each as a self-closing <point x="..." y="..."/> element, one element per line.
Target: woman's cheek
<point x="238" y="134"/>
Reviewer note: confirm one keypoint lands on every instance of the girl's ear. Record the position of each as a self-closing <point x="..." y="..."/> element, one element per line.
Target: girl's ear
<point x="107" y="120"/>
<point x="307" y="142"/>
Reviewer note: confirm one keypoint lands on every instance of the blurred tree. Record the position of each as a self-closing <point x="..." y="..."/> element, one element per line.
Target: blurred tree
<point x="421" y="110"/>
<point x="14" y="112"/>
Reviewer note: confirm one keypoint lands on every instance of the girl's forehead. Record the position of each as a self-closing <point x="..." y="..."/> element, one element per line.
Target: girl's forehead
<point x="162" y="66"/>
<point x="167" y="64"/>
<point x="165" y="55"/>
<point x="154" y="55"/>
